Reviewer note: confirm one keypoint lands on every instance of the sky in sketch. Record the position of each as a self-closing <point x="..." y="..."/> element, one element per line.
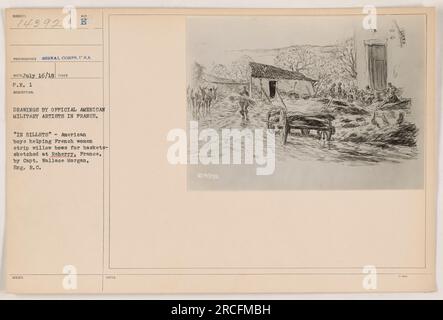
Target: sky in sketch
<point x="209" y="38"/>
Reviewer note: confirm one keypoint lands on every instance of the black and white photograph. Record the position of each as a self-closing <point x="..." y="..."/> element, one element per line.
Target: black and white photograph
<point x="340" y="98"/>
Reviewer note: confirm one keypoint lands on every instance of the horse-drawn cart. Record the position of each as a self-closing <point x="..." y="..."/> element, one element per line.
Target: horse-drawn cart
<point x="283" y="121"/>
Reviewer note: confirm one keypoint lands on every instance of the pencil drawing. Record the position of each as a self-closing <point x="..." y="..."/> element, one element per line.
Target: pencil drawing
<point x="342" y="100"/>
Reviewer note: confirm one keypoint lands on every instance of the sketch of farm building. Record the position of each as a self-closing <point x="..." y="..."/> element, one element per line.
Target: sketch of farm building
<point x="270" y="78"/>
<point x="358" y="91"/>
<point x="370" y="58"/>
<point x="376" y="57"/>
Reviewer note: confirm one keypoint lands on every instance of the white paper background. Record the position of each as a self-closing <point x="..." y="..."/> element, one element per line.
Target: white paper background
<point x="226" y="4"/>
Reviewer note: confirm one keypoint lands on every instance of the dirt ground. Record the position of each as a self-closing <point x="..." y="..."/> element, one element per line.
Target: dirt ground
<point x="360" y="139"/>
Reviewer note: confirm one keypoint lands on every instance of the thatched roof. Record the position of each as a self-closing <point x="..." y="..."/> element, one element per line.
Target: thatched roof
<point x="260" y="70"/>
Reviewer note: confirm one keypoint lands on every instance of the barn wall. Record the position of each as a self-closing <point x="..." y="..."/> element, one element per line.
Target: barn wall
<point x="256" y="87"/>
<point x="284" y="86"/>
<point x="299" y="86"/>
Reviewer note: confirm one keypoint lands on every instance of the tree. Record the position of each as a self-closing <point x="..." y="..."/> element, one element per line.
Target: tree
<point x="323" y="80"/>
<point x="220" y="70"/>
<point x="346" y="55"/>
<point x="240" y="69"/>
<point x="197" y="73"/>
<point x="325" y="71"/>
<point x="295" y="58"/>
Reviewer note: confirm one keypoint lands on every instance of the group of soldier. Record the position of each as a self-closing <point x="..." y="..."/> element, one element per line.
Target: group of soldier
<point x="365" y="96"/>
<point x="201" y="99"/>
